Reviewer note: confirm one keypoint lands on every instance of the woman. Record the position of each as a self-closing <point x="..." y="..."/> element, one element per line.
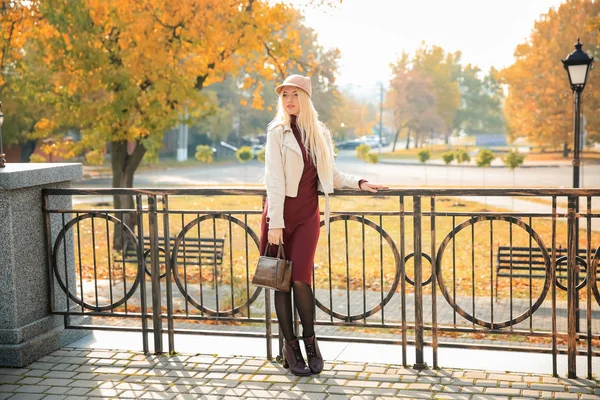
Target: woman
<point x="298" y="162"/>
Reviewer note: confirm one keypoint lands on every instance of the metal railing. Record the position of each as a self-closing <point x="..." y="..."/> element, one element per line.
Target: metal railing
<point x="179" y="263"/>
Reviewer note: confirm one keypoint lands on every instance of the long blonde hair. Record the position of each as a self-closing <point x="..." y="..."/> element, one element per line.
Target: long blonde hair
<point x="313" y="131"/>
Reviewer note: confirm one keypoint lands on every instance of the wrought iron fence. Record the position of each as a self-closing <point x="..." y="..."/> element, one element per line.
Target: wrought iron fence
<point x="488" y="277"/>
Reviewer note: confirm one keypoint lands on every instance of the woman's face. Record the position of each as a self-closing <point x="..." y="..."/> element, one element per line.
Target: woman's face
<point x="289" y="96"/>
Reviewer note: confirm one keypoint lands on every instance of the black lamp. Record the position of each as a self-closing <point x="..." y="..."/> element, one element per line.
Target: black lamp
<point x="578" y="65"/>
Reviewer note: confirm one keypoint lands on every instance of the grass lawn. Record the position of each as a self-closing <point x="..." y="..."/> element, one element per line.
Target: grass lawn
<point x="104" y="170"/>
<point x="436" y="152"/>
<point x="588" y="156"/>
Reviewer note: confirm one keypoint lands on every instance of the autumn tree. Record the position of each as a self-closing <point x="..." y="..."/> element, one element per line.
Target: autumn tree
<point x="539" y="103"/>
<point x="351" y="118"/>
<point x="481" y="109"/>
<point x="19" y="19"/>
<point x="424" y="95"/>
<point x="124" y="71"/>
<point x="442" y="69"/>
<point x="412" y="101"/>
<point x="236" y="107"/>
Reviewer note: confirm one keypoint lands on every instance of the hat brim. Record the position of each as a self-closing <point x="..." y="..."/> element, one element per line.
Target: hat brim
<point x="279" y="88"/>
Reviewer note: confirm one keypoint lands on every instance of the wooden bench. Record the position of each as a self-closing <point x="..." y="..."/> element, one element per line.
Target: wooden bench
<point x="529" y="262"/>
<point x="202" y="251"/>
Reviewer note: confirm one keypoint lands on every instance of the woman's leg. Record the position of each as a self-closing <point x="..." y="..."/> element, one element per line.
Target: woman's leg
<point x="304" y="302"/>
<point x="283" y="308"/>
<point x="291" y="347"/>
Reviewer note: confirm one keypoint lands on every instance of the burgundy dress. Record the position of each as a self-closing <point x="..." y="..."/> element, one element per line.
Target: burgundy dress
<point x="302" y="220"/>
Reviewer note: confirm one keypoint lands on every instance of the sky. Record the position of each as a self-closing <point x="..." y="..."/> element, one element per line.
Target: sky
<point x="371" y="34"/>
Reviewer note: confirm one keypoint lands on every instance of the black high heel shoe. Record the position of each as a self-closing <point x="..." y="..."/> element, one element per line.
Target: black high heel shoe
<point x="315" y="359"/>
<point x="293" y="360"/>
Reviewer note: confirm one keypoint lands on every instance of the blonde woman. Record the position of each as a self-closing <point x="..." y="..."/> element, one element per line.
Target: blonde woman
<point x="299" y="162"/>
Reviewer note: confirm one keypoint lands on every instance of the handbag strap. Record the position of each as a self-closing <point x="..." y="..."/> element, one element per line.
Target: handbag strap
<point x="280" y="251"/>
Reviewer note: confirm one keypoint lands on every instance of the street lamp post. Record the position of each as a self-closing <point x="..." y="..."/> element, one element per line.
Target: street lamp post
<point x="2" y="157"/>
<point x="578" y="65"/>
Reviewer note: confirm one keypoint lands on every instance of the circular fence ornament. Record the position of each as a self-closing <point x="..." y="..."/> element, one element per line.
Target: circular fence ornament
<point x="460" y="310"/>
<point x="175" y="266"/>
<point x="397" y="275"/>
<point x="60" y="239"/>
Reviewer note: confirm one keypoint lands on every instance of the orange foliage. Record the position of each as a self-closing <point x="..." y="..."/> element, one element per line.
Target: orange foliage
<point x="125" y="70"/>
<point x="539" y="101"/>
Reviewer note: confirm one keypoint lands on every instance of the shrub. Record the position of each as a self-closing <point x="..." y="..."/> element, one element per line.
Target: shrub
<point x="423" y="156"/>
<point x="448" y="157"/>
<point x="513" y="159"/>
<point x="261" y="155"/>
<point x="244" y="154"/>
<point x="362" y="150"/>
<point x="204" y="154"/>
<point x="485" y="158"/>
<point x="462" y="156"/>
<point x="373" y="158"/>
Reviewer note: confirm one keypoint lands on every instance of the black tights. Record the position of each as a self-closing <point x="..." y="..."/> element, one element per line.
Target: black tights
<point x="304" y="302"/>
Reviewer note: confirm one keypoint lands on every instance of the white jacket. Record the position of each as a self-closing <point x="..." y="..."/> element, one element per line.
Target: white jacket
<point x="283" y="169"/>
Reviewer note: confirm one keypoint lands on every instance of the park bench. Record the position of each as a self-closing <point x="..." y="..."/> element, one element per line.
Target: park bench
<point x="202" y="251"/>
<point x="529" y="262"/>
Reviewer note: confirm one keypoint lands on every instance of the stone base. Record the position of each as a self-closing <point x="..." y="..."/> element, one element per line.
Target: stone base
<point x="38" y="345"/>
<point x="27" y="330"/>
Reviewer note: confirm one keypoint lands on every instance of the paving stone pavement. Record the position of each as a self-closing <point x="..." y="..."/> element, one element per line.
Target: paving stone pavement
<point x="79" y="374"/>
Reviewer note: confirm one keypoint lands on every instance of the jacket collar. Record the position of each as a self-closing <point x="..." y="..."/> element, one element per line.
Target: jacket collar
<point x="289" y="140"/>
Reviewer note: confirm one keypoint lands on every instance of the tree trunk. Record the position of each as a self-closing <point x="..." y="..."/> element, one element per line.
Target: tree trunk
<point x="395" y="140"/>
<point x="27" y="150"/>
<point x="565" y="150"/>
<point x="124" y="166"/>
<point x="407" y="138"/>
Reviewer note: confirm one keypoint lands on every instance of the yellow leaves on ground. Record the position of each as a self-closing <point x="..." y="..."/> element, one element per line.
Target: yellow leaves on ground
<point x="467" y="265"/>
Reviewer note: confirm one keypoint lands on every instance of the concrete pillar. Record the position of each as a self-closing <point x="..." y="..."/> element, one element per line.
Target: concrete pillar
<point x="27" y="329"/>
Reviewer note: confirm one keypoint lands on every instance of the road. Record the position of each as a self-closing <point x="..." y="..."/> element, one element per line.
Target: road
<point x="403" y="173"/>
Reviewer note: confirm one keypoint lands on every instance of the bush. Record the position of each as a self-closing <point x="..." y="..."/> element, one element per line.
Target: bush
<point x="513" y="159"/>
<point x="448" y="157"/>
<point x="362" y="151"/>
<point x="244" y="154"/>
<point x="462" y="156"/>
<point x="261" y="155"/>
<point x="204" y="154"/>
<point x="485" y="158"/>
<point x="423" y="156"/>
<point x="373" y="158"/>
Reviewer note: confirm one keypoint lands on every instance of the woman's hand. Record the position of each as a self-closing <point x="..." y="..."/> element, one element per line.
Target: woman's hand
<point x="371" y="187"/>
<point x="275" y="236"/>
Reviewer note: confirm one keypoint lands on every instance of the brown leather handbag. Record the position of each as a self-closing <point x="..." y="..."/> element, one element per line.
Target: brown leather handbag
<point x="273" y="273"/>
